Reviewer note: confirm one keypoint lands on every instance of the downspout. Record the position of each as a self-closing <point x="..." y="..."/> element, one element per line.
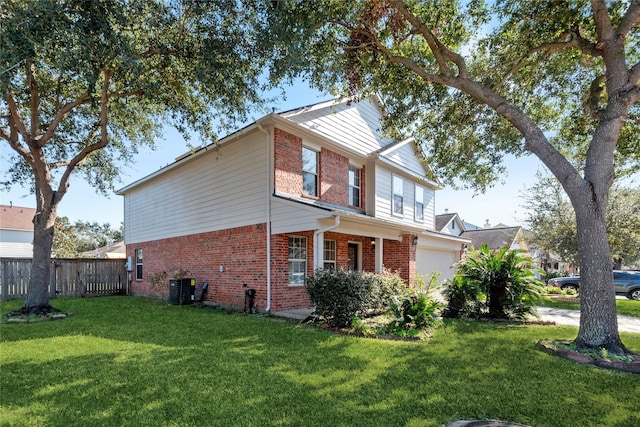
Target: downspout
<point x="316" y="252"/>
<point x="269" y="193"/>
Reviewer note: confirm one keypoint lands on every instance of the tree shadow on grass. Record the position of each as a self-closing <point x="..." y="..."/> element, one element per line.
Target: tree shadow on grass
<point x="204" y="367"/>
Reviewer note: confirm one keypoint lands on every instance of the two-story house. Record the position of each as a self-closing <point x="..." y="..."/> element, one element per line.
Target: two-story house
<point x="263" y="208"/>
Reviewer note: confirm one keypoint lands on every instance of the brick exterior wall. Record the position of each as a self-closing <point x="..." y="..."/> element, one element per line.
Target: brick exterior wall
<point x="284" y="296"/>
<point x="240" y="251"/>
<point x="400" y="257"/>
<point x="334" y="178"/>
<point x="242" y="254"/>
<point x="333" y="171"/>
<point x="287" y="162"/>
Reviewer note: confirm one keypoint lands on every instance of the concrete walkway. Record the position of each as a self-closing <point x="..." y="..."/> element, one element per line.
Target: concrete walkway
<point x="560" y="316"/>
<point x="572" y="317"/>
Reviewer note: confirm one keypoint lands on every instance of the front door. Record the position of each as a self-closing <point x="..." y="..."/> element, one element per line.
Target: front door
<point x="354" y="262"/>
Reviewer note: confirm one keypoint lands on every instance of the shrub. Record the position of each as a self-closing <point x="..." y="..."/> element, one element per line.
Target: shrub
<point x="552" y="290"/>
<point x="416" y="308"/>
<point x="462" y="296"/>
<point x="340" y="295"/>
<point x="506" y="279"/>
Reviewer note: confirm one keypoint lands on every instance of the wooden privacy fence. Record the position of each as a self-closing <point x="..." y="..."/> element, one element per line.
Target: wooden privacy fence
<point x="69" y="277"/>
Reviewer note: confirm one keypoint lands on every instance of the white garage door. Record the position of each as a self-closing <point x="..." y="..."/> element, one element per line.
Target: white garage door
<point x="430" y="260"/>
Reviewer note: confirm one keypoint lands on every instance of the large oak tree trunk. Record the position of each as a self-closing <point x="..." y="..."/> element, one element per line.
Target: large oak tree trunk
<point x="43" y="229"/>
<point x="598" y="319"/>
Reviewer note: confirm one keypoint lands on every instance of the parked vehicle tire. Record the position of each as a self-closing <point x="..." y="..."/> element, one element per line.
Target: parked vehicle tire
<point x="634" y="295"/>
<point x="570" y="286"/>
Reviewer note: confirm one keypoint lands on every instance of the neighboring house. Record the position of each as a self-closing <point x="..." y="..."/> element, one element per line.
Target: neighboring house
<point x="115" y="250"/>
<point x="497" y="238"/>
<point x="16" y="231"/>
<point x="450" y="223"/>
<point x="316" y="187"/>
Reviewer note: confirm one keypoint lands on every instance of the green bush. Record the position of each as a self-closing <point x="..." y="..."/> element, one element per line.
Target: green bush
<point x="463" y="298"/>
<point x="552" y="290"/>
<point x="415" y="309"/>
<point x="341" y="295"/>
<point x="505" y="277"/>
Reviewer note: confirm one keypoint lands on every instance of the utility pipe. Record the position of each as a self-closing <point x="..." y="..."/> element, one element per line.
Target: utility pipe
<point x="269" y="193"/>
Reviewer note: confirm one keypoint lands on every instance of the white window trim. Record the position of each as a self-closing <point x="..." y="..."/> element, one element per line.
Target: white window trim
<point x="141" y="263"/>
<point x="289" y="260"/>
<point x="359" y="187"/>
<point x="393" y="194"/>
<point x="335" y="253"/>
<point x="415" y="203"/>
<point x="316" y="173"/>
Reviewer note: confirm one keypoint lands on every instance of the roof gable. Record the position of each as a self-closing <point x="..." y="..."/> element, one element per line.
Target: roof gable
<point x="443" y="220"/>
<point x="353" y="124"/>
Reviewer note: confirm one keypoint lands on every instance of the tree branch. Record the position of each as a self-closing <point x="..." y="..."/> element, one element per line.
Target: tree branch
<point x="634" y="74"/>
<point x="35" y="99"/>
<point x="630" y="18"/>
<point x="104" y="137"/>
<point x="603" y="22"/>
<point x="60" y="115"/>
<point x="440" y="51"/>
<point x="574" y="41"/>
<point x="16" y="124"/>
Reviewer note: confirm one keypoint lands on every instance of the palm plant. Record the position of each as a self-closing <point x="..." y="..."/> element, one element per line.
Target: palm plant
<point x="506" y="277"/>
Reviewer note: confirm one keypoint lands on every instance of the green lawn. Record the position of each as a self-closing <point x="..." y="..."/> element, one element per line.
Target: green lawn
<point x="132" y="361"/>
<point x="625" y="306"/>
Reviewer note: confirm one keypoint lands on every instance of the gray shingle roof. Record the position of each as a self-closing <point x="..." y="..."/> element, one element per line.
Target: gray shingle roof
<point x="495" y="238"/>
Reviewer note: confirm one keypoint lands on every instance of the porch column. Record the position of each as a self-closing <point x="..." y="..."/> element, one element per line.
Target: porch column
<point x="379" y="251"/>
<point x="318" y="251"/>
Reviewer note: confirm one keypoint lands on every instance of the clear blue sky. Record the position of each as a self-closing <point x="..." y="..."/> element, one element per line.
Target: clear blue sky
<point x="501" y="204"/>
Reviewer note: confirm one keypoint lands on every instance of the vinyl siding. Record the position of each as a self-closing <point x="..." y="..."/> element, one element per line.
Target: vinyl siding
<point x="356" y="126"/>
<point x="406" y="157"/>
<point x="290" y="217"/>
<point x="222" y="188"/>
<point x="383" y="197"/>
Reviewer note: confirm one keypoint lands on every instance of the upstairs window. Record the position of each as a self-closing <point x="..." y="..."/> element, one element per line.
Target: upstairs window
<point x="397" y="204"/>
<point x="309" y="172"/>
<point x="419" y="214"/>
<point x="138" y="264"/>
<point x="354" y="186"/>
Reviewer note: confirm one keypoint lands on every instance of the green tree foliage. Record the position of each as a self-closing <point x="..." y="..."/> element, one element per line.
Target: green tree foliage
<point x="84" y="84"/>
<point x="506" y="279"/>
<point x="71" y="240"/>
<point x="92" y="235"/>
<point x="475" y="81"/>
<point x="552" y="224"/>
<point x="65" y="239"/>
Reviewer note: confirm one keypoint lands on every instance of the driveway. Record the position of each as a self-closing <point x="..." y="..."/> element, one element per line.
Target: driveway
<point x="564" y="316"/>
